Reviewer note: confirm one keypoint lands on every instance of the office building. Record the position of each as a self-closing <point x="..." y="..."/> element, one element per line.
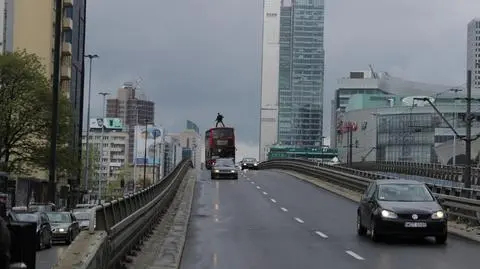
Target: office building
<point x="115" y="146"/>
<point x="172" y="153"/>
<point x="269" y="87"/>
<point x="473" y="51"/>
<point x="30" y="25"/>
<point x="191" y="142"/>
<point x="387" y="123"/>
<point x="133" y="109"/>
<point x="301" y="68"/>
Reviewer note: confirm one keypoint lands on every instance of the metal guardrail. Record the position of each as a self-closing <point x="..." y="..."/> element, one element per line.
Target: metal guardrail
<point x="126" y="222"/>
<point x="433" y="170"/>
<point x="464" y="204"/>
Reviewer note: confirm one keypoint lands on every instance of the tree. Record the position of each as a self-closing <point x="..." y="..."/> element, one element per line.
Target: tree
<point x="25" y="115"/>
<point x="93" y="165"/>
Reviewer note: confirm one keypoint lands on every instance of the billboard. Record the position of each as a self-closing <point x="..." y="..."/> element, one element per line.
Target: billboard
<point x="107" y="123"/>
<point x="192" y="126"/>
<point x="146" y="138"/>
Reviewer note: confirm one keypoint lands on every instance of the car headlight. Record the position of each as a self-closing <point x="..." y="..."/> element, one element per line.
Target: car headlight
<point x="438" y="215"/>
<point x="388" y="214"/>
<point x="255" y="164"/>
<point x="216" y="171"/>
<point x="233" y="171"/>
<point x="61" y="230"/>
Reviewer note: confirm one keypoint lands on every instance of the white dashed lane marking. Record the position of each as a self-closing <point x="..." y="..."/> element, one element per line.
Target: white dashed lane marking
<point x="258" y="187"/>
<point x="273" y="200"/>
<point x="299" y="220"/>
<point x="321" y="234"/>
<point x="265" y="193"/>
<point x="355" y="255"/>
<point x="283" y="209"/>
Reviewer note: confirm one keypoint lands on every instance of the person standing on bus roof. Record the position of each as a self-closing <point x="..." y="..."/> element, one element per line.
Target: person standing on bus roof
<point x="219" y="120"/>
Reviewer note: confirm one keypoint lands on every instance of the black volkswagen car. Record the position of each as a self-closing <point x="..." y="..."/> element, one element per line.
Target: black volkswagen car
<point x="397" y="207"/>
<point x="249" y="163"/>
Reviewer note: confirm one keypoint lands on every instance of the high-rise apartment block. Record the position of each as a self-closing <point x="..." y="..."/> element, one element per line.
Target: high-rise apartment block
<point x="133" y="109"/>
<point x="30" y="25"/>
<point x="292" y="73"/>
<point x="473" y="51"/>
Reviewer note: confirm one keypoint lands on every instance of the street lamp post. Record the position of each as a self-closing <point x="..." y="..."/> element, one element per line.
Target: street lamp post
<point x="87" y="144"/>
<point x="145" y="156"/>
<point x="154" y="153"/>
<point x="454" y="125"/>
<point x="104" y="94"/>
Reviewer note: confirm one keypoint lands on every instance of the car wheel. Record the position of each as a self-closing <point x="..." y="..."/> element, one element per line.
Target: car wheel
<point x="40" y="241"/>
<point x="373" y="231"/>
<point x="49" y="243"/>
<point x="441" y="239"/>
<point x="69" y="239"/>
<point x="360" y="229"/>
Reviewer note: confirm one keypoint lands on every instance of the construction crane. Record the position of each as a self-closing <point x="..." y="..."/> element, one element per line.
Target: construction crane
<point x="374" y="74"/>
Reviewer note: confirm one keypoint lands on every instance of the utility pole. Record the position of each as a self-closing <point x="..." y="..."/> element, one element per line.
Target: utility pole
<point x="55" y="92"/>
<point x="468" y="132"/>
<point x="467" y="178"/>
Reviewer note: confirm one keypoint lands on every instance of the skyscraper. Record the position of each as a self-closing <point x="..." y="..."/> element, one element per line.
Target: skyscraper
<point x="473" y="51"/>
<point x="133" y="110"/>
<point x="269" y="88"/>
<point x="301" y="72"/>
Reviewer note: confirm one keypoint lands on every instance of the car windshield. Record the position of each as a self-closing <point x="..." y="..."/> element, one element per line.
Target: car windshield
<point x="224" y="162"/>
<point x="59" y="217"/>
<point x="27" y="217"/>
<point x="82" y="215"/>
<point x="249" y="160"/>
<point x="404" y="193"/>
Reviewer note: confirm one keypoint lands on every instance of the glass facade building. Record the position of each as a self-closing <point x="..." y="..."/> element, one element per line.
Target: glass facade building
<point x="301" y="72"/>
<point x="406" y="137"/>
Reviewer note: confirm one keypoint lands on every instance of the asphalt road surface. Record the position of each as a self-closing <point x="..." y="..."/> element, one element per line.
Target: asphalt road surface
<point x="268" y="219"/>
<point x="46" y="258"/>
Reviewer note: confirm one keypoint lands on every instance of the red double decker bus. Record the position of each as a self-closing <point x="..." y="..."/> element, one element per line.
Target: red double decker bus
<point x="219" y="143"/>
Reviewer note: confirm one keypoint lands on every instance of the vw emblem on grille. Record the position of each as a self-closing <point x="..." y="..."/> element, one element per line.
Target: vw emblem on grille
<point x="414" y="216"/>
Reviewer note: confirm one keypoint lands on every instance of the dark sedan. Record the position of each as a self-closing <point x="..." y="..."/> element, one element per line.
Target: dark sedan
<point x="224" y="168"/>
<point x="249" y="163"/>
<point x="64" y="226"/>
<point x="44" y="230"/>
<point x="401" y="208"/>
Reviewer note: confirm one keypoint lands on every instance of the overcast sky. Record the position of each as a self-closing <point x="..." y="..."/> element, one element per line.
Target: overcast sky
<point x="197" y="58"/>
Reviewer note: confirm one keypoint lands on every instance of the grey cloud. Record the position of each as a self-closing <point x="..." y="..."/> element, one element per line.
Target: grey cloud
<point x="197" y="57"/>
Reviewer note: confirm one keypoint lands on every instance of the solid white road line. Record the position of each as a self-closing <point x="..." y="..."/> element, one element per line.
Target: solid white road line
<point x="273" y="200"/>
<point x="321" y="234"/>
<point x="283" y="209"/>
<point x="355" y="255"/>
<point x="265" y="193"/>
<point x="299" y="220"/>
